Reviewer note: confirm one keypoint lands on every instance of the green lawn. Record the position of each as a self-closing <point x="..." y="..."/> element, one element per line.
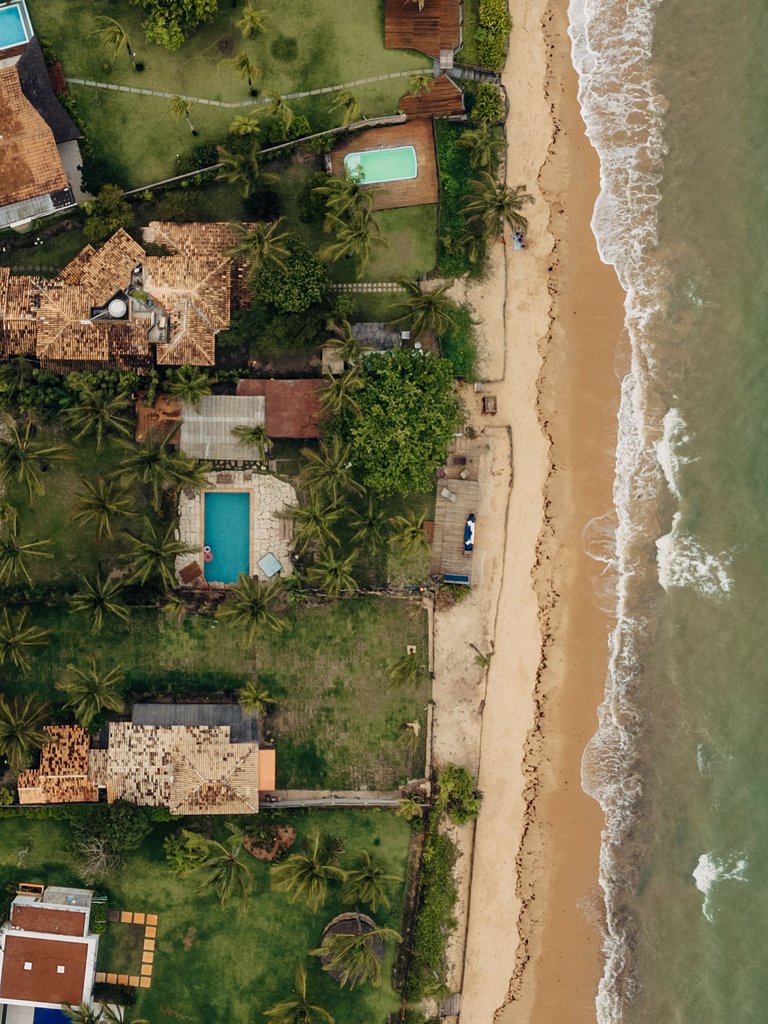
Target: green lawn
<point x="138" y="134"/>
<point x="222" y="966"/>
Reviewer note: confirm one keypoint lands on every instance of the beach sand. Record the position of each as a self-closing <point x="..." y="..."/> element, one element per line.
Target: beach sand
<point x="532" y="950"/>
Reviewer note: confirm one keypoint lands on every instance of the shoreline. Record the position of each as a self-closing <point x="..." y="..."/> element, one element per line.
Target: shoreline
<point x="552" y="362"/>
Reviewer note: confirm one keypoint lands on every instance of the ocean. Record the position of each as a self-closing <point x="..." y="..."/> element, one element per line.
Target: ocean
<point x="674" y="94"/>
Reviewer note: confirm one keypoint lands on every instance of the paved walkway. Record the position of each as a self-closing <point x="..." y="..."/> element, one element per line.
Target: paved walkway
<point x="263" y="101"/>
<point x="367" y="286"/>
<point x="335" y="798"/>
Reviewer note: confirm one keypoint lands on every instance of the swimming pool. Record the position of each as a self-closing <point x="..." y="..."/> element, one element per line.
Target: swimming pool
<point x="374" y="166"/>
<point x="14" y="26"/>
<point x="227" y="532"/>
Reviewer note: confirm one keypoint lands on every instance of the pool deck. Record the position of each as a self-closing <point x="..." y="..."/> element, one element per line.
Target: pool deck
<point x="419" y="191"/>
<point x="270" y="532"/>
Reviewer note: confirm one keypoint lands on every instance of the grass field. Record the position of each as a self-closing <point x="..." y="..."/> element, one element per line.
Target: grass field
<point x="306" y="47"/>
<point x="222" y="966"/>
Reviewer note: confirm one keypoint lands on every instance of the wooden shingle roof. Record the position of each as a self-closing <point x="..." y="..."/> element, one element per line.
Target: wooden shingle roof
<point x="30" y="162"/>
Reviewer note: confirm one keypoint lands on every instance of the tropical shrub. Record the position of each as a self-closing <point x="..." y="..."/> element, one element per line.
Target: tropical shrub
<point x="302" y="283"/>
<point x="495" y="25"/>
<point x="457" y="344"/>
<point x="488" y="107"/>
<point x="168" y="22"/>
<point x="106" y="213"/>
<point x="458" y="794"/>
<point x="456" y="173"/>
<point x="434" y="915"/>
<point x="6" y="796"/>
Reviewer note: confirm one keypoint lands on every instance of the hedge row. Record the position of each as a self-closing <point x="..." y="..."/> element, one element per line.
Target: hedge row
<point x="493" y="34"/>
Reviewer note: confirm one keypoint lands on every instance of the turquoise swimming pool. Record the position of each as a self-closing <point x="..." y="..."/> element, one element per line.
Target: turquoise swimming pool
<point x="375" y="166"/>
<point x="227" y="533"/>
<point x="14" y="26"/>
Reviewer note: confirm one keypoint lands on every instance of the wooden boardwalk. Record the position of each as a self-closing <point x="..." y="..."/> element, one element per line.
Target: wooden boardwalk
<point x="436" y="28"/>
<point x="443" y="98"/>
<point x="418" y="191"/>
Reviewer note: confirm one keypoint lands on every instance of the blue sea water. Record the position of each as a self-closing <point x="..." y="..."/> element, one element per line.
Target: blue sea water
<point x="675" y="95"/>
<point x="227" y="532"/>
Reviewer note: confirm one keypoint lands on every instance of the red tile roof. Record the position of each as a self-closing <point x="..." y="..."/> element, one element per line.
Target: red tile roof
<point x="292" y="408"/>
<point x="43" y="919"/>
<point x="43" y="982"/>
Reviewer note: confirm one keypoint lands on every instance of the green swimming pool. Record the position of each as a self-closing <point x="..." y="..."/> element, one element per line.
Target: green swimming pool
<point x="374" y="166"/>
<point x="227" y="531"/>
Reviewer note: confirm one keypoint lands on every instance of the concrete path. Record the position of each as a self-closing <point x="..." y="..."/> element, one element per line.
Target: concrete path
<point x="336" y="798"/>
<point x="367" y="286"/>
<point x="253" y="102"/>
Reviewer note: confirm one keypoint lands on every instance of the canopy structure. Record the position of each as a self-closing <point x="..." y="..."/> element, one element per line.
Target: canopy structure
<point x="207" y="429"/>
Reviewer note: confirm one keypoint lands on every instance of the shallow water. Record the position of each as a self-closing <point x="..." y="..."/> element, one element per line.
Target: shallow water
<point x="675" y="97"/>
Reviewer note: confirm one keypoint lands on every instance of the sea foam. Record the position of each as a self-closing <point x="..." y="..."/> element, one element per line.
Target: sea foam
<point x="683" y="562"/>
<point x="710" y="870"/>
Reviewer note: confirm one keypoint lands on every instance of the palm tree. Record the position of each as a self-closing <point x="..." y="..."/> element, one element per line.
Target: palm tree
<point x="249" y="604"/>
<point x="245" y="69"/>
<point x="343" y="341"/>
<point x="314" y="521"/>
<point x="279" y="108"/>
<point x="254" y="699"/>
<point x="484" y="145"/>
<point x="409" y="533"/>
<point x="338" y="395"/>
<point x="244" y="125"/>
<point x="180" y="108"/>
<point x="99" y="597"/>
<point x="328" y="469"/>
<point x="103" y="501"/>
<point x="90" y="691"/>
<point x="16" y="636"/>
<point x="346" y="196"/>
<point x="426" y="311"/>
<point x="154" y="465"/>
<point x="366" y="883"/>
<point x="349" y="107"/>
<point x="153" y="554"/>
<point x="355" y="237"/>
<point x="21" y="730"/>
<point x="332" y="574"/>
<point x="297" y="1009"/>
<point x="15" y="375"/>
<point x="98" y="413"/>
<point x="418" y="84"/>
<point x="352" y="956"/>
<point x="254" y="437"/>
<point x="190" y="384"/>
<point x="370" y="526"/>
<point x="261" y="245"/>
<point x="252" y="21"/>
<point x="82" y="1013"/>
<point x="242" y="168"/>
<point x="409" y="808"/>
<point x="14" y="554"/>
<point x="22" y="457"/>
<point x="493" y="204"/>
<point x="113" y="37"/>
<point x="407" y="671"/>
<point x="224" y="869"/>
<point x="306" y="875"/>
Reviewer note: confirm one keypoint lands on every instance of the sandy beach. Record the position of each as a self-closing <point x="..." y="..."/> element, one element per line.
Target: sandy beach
<point x="528" y="943"/>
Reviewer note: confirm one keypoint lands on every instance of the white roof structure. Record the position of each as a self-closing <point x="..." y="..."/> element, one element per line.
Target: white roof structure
<point x="206" y="429"/>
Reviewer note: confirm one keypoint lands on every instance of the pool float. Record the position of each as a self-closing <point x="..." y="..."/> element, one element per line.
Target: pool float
<point x="207" y="554"/>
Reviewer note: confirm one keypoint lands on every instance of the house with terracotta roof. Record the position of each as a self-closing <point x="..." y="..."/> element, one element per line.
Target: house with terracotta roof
<point x="47" y="951"/>
<point x="293" y="409"/>
<point x="62" y="776"/>
<point x="116" y="307"/>
<point x="38" y="138"/>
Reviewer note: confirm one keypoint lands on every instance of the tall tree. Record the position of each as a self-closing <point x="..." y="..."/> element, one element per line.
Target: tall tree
<point x="15" y="375"/>
<point x="297" y="1008"/>
<point x="371" y="526"/>
<point x="346" y="196"/>
<point x="107" y="212"/>
<point x="406" y="672"/>
<point x="343" y="341"/>
<point x="332" y="574"/>
<point x="21" y="730"/>
<point x="260" y="245"/>
<point x="354" y="238"/>
<point x="367" y="881"/>
<point x="254" y="437"/>
<point x="98" y="597"/>
<point x="408" y="533"/>
<point x="16" y="637"/>
<point x="255" y="699"/>
<point x="353" y="956"/>
<point x="168" y="22"/>
<point x="409" y="808"/>
<point x="103" y="501"/>
<point x="152" y="554"/>
<point x="180" y="109"/>
<point x="418" y="84"/>
<point x="22" y="457"/>
<point x="252" y="21"/>
<point x="492" y="205"/>
<point x="113" y="37"/>
<point x="279" y="108"/>
<point x="314" y="521"/>
<point x="306" y="875"/>
<point x="244" y="125"/>
<point x="89" y="691"/>
<point x="245" y="69"/>
<point x="14" y="554"/>
<point x="242" y="169"/>
<point x="426" y="310"/>
<point x="100" y="414"/>
<point x="250" y="602"/>
<point x="348" y="106"/>
<point x="154" y="465"/>
<point x="189" y="383"/>
<point x="339" y="395"/>
<point x="484" y="144"/>
<point x="225" y="869"/>
<point x="328" y="469"/>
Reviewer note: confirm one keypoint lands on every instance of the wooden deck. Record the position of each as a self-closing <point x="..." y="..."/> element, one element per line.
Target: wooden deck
<point x="443" y="99"/>
<point x="418" y="191"/>
<point x="436" y="28"/>
<point x="448" y="555"/>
